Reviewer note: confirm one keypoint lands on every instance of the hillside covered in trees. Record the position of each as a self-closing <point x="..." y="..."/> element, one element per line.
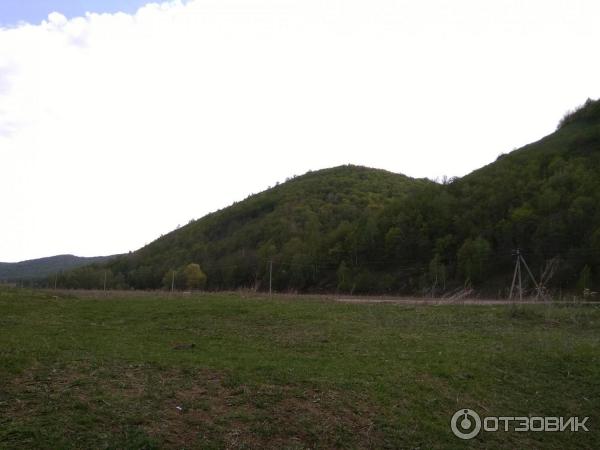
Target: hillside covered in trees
<point x="43" y="267"/>
<point x="361" y="230"/>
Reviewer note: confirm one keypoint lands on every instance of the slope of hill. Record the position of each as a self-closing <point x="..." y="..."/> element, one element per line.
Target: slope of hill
<point x="43" y="267"/>
<point x="356" y="229"/>
<point x="306" y="226"/>
<point x="544" y="199"/>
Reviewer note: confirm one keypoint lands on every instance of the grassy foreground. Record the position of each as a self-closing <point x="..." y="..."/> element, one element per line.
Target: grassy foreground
<point x="221" y="371"/>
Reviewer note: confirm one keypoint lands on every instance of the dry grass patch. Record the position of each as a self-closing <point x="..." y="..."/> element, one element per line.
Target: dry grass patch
<point x="179" y="408"/>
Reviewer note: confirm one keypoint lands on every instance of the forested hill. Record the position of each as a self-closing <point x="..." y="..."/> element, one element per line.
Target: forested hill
<point x="355" y="229"/>
<point x="544" y="199"/>
<point x="43" y="267"/>
<point x="306" y="226"/>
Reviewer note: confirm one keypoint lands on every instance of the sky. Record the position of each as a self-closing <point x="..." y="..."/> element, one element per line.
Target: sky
<point x="34" y="11"/>
<point x="120" y="121"/>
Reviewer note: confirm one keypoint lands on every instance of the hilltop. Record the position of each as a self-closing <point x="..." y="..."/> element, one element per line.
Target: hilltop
<point x="306" y="226"/>
<point x="356" y="229"/>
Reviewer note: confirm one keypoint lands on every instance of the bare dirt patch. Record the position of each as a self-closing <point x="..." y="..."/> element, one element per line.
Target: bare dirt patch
<point x="194" y="409"/>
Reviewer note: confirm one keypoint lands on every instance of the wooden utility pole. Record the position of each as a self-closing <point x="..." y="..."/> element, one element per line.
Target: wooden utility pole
<point x="517" y="274"/>
<point x="537" y="286"/>
<point x="173" y="282"/>
<point x="520" y="283"/>
<point x="270" y="277"/>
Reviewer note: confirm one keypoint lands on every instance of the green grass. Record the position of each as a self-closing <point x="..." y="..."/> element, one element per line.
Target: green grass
<point x="280" y="373"/>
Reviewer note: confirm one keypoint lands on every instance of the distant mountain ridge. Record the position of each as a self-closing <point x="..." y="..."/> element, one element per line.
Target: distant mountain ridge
<point x="44" y="267"/>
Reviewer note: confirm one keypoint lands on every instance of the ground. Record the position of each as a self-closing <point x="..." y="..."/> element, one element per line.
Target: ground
<point x="227" y="371"/>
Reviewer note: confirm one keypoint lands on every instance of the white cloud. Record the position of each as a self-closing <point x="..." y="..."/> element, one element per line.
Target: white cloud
<point x="114" y="128"/>
<point x="57" y="20"/>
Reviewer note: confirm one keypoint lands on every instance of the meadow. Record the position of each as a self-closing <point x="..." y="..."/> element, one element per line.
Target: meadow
<point x="214" y="371"/>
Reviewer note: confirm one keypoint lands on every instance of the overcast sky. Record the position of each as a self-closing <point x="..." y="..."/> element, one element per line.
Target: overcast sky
<point x="117" y="127"/>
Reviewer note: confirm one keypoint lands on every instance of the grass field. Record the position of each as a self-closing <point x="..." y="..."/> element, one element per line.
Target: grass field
<point x="222" y="371"/>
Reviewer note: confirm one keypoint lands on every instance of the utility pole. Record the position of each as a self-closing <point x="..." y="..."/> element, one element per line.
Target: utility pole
<point x="105" y="281"/>
<point x="537" y="286"/>
<point x="173" y="282"/>
<point x="270" y="277"/>
<point x="517" y="274"/>
<point x="520" y="283"/>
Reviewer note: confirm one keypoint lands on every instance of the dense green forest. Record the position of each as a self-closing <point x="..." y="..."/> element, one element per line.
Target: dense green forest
<point x="361" y="230"/>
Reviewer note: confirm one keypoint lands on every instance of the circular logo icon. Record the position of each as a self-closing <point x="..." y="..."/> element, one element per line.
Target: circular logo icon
<point x="465" y="424"/>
